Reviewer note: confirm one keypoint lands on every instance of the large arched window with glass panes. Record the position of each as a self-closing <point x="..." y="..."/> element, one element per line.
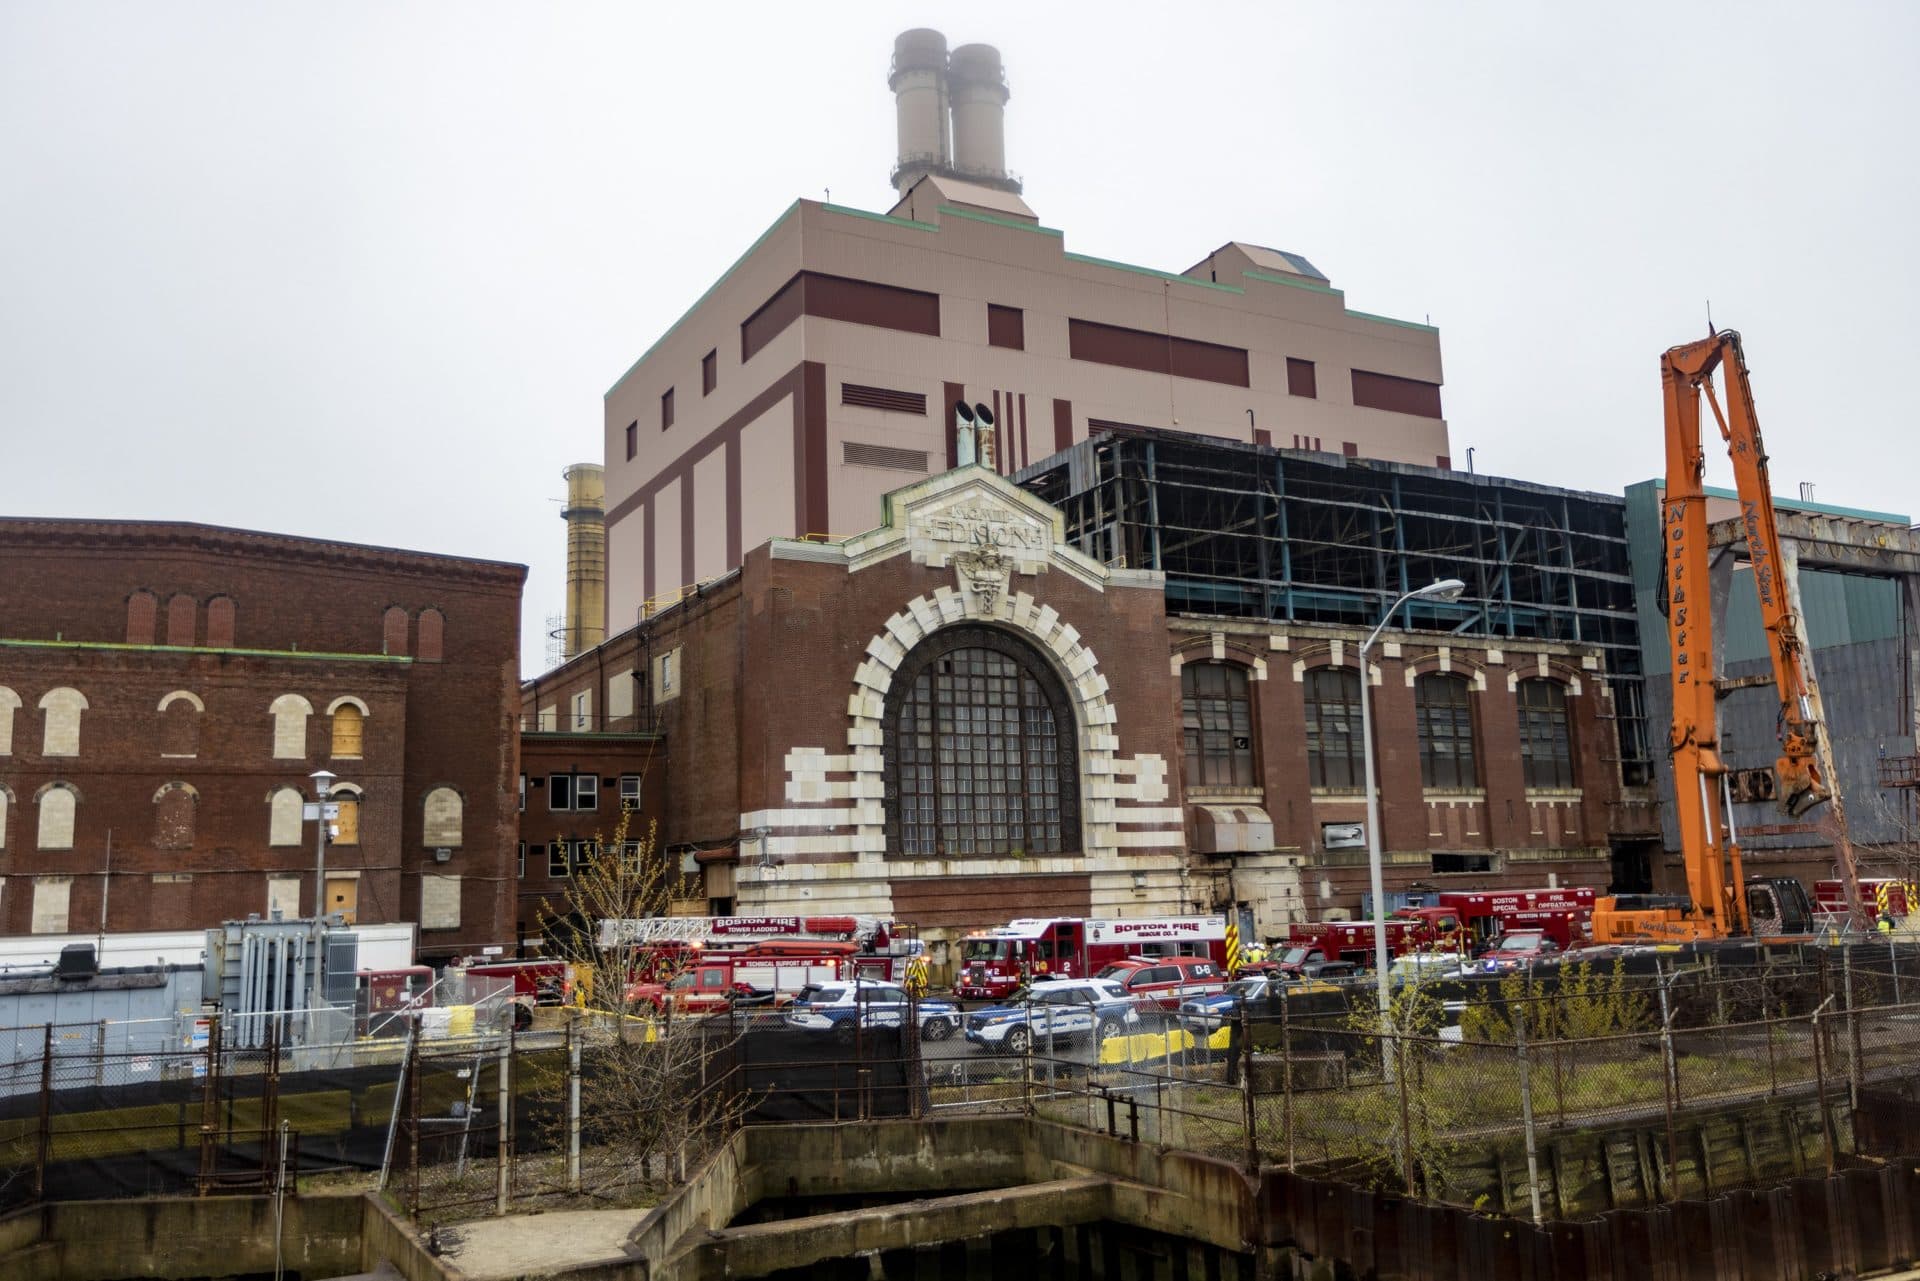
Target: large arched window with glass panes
<point x="980" y="751"/>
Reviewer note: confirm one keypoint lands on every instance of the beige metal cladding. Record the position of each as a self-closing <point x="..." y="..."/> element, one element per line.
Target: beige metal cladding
<point x="586" y="517"/>
<point x="919" y="84"/>
<point x="977" y="87"/>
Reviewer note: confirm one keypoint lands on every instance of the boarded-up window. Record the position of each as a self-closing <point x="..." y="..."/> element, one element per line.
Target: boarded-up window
<point x="439" y="902"/>
<point x="56" y="817"/>
<point x="3" y="817"/>
<point x="620" y="694"/>
<point x="283" y="898"/>
<point x="1396" y="395"/>
<point x="1300" y="379"/>
<point x="283" y="823"/>
<point x="290" y="712"/>
<point x="183" y="611"/>
<point x="441" y="821"/>
<point x="393" y="630"/>
<point x="50" y="895"/>
<point x="349" y="731"/>
<point x="220" y="622"/>
<point x="173" y="815"/>
<point x="346" y="828"/>
<point x="142" y="610"/>
<point x="433" y="629"/>
<point x="60" y="710"/>
<point x="179" y="724"/>
<point x="9" y="704"/>
<point x="1006" y="327"/>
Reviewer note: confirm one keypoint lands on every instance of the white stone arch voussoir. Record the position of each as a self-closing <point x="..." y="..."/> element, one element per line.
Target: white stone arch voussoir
<point x="1073" y="661"/>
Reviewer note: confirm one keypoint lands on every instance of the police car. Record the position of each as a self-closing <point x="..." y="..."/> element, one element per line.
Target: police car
<point x="843" y="1007"/>
<point x="1054" y="1012"/>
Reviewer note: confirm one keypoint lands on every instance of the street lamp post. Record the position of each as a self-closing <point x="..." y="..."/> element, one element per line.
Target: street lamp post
<point x="322" y="792"/>
<point x="1443" y="589"/>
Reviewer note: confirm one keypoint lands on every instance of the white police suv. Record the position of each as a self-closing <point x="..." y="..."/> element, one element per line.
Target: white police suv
<point x="1054" y="1012"/>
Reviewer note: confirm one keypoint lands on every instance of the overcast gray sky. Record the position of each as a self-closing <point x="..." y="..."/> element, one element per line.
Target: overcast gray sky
<point x="364" y="271"/>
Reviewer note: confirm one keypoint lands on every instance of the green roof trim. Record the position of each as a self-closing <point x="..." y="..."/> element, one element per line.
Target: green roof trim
<point x="751" y="250"/>
<point x="1389" y="320"/>
<point x="870" y="216"/>
<point x="10" y="643"/>
<point x="1173" y="276"/>
<point x="1818" y="509"/>
<point x="1291" y="283"/>
<point x="1015" y="223"/>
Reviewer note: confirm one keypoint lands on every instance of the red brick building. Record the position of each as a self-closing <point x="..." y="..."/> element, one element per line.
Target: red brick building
<point x="958" y="718"/>
<point x="167" y="689"/>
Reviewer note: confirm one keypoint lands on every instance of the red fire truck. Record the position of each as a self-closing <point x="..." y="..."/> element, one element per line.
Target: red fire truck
<point x="994" y="962"/>
<point x="1311" y="942"/>
<point x="1878" y="894"/>
<point x="706" y="962"/>
<point x="1564" y="914"/>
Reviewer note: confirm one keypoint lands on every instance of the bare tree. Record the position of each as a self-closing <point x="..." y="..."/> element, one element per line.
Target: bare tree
<point x="655" y="1089"/>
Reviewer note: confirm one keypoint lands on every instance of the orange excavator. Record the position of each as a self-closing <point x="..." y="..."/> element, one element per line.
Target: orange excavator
<point x="1720" y="903"/>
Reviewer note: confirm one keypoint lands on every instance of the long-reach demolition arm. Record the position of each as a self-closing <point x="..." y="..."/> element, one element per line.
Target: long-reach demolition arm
<point x="1701" y="801"/>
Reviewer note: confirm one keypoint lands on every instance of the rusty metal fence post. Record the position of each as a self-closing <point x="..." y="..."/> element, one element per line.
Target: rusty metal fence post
<point x="1286" y="1075"/>
<point x="1820" y="1086"/>
<point x="1246" y="1091"/>
<point x="43" y="1152"/>
<point x="1526" y="1115"/>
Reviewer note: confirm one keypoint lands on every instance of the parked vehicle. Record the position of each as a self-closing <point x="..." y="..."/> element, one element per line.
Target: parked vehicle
<point x="1159" y="984"/>
<point x="994" y="963"/>
<point x="1520" y="949"/>
<point x="841" y="1009"/>
<point x="1312" y="963"/>
<point x="1207" y="1013"/>
<point x="1055" y="1012"/>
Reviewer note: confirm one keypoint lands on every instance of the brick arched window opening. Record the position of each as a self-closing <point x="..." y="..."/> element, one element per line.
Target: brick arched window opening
<point x="980" y="747"/>
<point x="433" y="630"/>
<point x="60" y="729"/>
<point x="290" y="713"/>
<point x="143" y="610"/>
<point x="285" y="816"/>
<point x="349" y="720"/>
<point x="6" y="802"/>
<point x="173" y="816"/>
<point x="1334" y="742"/>
<point x="1546" y="734"/>
<point x="183" y="613"/>
<point x="442" y="815"/>
<point x="9" y="704"/>
<point x="346" y="828"/>
<point x="220" y="613"/>
<point x="393" y="630"/>
<point x="1443" y="712"/>
<point x="1216" y="713"/>
<point x="57" y="803"/>
<point x="180" y="724"/>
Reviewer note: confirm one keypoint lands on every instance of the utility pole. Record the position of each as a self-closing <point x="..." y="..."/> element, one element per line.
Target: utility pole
<point x="322" y="788"/>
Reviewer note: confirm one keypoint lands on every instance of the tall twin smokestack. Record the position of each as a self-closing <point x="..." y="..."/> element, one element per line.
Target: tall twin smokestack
<point x="951" y="111"/>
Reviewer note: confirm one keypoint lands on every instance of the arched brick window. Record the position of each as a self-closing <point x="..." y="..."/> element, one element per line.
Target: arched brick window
<point x="143" y="609"/>
<point x="1217" y="722"/>
<point x="349" y="719"/>
<point x="180" y="723"/>
<point x="393" y="631"/>
<point x="183" y="612"/>
<point x="60" y="726"/>
<point x="433" y="626"/>
<point x="9" y="704"/>
<point x="57" y="803"/>
<point x="1546" y="735"/>
<point x="290" y="712"/>
<point x="220" y="622"/>
<point x="173" y="814"/>
<point x="346" y="828"/>
<point x="284" y="818"/>
<point x="980" y="745"/>
<point x="1333" y="728"/>
<point x="1443" y="712"/>
<point x="442" y="818"/>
